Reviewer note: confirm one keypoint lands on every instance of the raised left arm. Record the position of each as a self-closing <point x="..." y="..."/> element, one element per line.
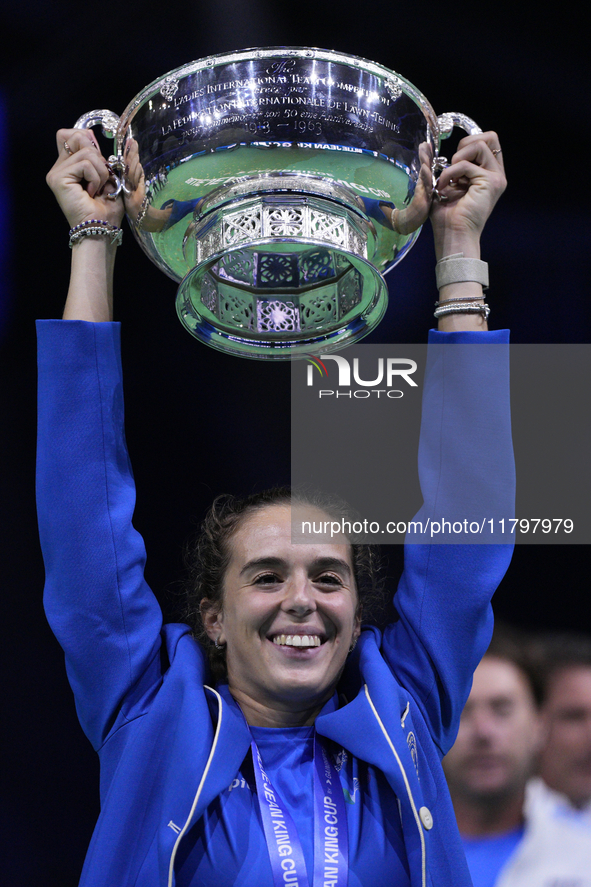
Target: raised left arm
<point x="466" y="466"/>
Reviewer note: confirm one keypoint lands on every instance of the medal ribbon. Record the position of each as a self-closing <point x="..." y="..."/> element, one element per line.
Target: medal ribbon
<point x="331" y="838"/>
<point x="331" y="841"/>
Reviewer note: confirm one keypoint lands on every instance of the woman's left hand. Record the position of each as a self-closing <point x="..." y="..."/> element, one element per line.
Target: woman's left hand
<point x="469" y="187"/>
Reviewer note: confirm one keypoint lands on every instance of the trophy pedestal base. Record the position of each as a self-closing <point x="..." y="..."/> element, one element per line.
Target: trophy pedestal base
<point x="281" y="275"/>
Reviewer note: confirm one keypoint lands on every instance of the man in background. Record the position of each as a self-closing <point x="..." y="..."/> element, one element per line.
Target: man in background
<point x="565" y="758"/>
<point x="514" y="832"/>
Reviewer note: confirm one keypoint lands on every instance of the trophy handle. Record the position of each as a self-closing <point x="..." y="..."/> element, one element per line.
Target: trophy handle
<point x="446" y="123"/>
<point x="450" y="119"/>
<point x="109" y="124"/>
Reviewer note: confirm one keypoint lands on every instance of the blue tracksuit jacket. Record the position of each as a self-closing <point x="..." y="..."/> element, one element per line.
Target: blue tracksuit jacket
<point x="168" y="744"/>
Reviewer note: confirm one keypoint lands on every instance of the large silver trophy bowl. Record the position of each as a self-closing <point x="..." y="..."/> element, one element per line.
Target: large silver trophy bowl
<point x="278" y="186"/>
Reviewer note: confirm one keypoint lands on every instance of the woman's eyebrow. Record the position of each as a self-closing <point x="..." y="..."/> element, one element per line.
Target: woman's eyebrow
<point x="272" y="563"/>
<point x="332" y="563"/>
<point x="278" y="563"/>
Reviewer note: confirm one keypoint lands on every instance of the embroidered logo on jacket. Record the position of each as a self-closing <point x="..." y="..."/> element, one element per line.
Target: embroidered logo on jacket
<point x="340" y="760"/>
<point x="412" y="745"/>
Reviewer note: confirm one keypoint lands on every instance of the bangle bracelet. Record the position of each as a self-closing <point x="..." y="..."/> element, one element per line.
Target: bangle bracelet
<point x="457" y="269"/>
<point x="483" y="310"/>
<point x="472" y="299"/>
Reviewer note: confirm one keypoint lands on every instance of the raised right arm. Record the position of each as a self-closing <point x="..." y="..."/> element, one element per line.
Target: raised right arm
<point x="97" y="602"/>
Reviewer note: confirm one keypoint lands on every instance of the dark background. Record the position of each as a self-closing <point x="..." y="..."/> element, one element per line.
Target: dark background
<point x="199" y="422"/>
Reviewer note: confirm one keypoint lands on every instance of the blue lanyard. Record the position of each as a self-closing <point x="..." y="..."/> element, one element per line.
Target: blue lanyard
<point x="331" y="840"/>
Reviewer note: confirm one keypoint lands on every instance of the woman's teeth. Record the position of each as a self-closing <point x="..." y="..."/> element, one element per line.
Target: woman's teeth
<point x="296" y="640"/>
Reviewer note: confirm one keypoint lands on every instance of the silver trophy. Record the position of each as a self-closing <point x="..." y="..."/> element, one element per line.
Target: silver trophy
<point x="278" y="186"/>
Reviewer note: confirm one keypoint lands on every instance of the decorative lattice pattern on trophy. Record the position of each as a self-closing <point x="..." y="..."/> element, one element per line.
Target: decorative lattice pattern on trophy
<point x="349" y="292"/>
<point x="209" y="244"/>
<point x="242" y="226"/>
<point x="209" y="295"/>
<point x="238" y="266"/>
<point x="326" y="227"/>
<point x="357" y="243"/>
<point x="316" y="265"/>
<point x="285" y="222"/>
<point x="278" y="269"/>
<point x="317" y="311"/>
<point x="277" y="315"/>
<point x="236" y="308"/>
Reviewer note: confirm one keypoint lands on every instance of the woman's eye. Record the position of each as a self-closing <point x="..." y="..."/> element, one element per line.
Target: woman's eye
<point x="329" y="579"/>
<point x="266" y="579"/>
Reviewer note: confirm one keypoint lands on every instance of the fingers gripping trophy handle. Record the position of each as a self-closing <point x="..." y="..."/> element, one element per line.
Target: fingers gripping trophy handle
<point x="109" y="124"/>
<point x="446" y="123"/>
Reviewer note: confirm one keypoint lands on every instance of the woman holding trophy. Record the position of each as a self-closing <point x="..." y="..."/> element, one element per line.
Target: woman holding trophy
<point x="301" y="747"/>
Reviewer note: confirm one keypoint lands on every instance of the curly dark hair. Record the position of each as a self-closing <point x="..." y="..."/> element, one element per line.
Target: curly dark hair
<point x="208" y="555"/>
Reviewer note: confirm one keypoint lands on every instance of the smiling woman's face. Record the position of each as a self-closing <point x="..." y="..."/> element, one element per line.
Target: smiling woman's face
<point x="288" y="619"/>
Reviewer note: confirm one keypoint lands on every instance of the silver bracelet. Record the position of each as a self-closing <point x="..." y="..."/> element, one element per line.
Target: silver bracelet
<point x="475" y="308"/>
<point x="458" y="299"/>
<point x="92" y="227"/>
<point x="457" y="269"/>
<point x="143" y="210"/>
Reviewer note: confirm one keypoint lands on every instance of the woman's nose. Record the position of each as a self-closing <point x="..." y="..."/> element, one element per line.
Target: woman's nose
<point x="299" y="596"/>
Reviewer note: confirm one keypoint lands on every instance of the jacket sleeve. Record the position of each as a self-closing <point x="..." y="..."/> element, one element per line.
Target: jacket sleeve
<point x="467" y="476"/>
<point x="97" y="601"/>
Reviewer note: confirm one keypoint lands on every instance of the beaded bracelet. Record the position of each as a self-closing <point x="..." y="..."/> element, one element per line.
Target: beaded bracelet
<point x="91" y="227"/>
<point x="143" y="210"/>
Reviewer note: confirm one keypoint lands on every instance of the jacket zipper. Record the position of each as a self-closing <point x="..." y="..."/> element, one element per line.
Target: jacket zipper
<point x="408" y="789"/>
<point x="199" y="789"/>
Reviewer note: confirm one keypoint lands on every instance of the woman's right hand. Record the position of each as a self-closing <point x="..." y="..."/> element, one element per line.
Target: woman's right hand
<point x="80" y="179"/>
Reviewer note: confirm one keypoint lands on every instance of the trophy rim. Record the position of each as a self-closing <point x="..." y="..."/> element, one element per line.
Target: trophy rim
<point x="311" y="53"/>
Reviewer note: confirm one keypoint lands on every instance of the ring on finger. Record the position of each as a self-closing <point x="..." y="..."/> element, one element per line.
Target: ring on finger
<point x="68" y="149"/>
<point x="496" y="151"/>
